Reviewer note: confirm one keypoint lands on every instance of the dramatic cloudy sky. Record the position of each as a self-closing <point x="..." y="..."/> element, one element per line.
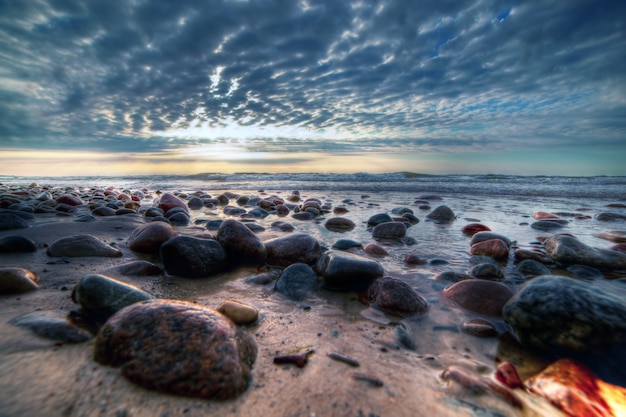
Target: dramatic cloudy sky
<point x="438" y="86"/>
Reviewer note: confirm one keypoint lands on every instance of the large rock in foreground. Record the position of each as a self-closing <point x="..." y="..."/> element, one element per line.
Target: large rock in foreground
<point x="553" y="312"/>
<point x="568" y="250"/>
<point x="347" y="272"/>
<point x="179" y="348"/>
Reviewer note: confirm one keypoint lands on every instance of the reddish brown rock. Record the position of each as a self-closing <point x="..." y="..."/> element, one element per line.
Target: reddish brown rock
<point x="394" y="296"/>
<point x="479" y="296"/>
<point x="178" y="348"/>
<point x="473" y="228"/>
<point x="339" y="224"/>
<point x="494" y="248"/>
<point x="69" y="199"/>
<point x="17" y="280"/>
<point x="375" y="249"/>
<point x="169" y="201"/>
<point x="149" y="237"/>
<point x="542" y="215"/>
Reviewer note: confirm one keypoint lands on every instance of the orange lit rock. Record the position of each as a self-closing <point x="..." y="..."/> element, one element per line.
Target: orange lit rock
<point x="576" y="391"/>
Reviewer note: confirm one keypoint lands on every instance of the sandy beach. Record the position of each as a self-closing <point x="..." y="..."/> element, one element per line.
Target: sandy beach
<point x="396" y="375"/>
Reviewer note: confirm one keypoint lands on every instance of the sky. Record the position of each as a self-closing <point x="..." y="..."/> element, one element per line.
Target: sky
<point x="114" y="87"/>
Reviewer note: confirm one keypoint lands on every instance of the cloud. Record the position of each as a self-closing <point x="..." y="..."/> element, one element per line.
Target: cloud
<point x="380" y="75"/>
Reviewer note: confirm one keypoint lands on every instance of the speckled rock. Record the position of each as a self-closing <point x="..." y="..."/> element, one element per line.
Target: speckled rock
<point x="480" y="296"/>
<point x="82" y="245"/>
<point x="53" y="325"/>
<point x="16" y="243"/>
<point x="389" y="230"/>
<point x="346" y="271"/>
<point x="178" y="348"/>
<point x="238" y="312"/>
<point x="11" y="221"/>
<point x="190" y="257"/>
<point x="396" y="297"/>
<point x="297" y="281"/>
<point x="374" y="249"/>
<point x="554" y="312"/>
<point x="568" y="250"/>
<point x="442" y="214"/>
<point x="149" y="237"/>
<point x="339" y="224"/>
<point x="494" y="248"/>
<point x="377" y="219"/>
<point x="242" y="246"/>
<point x="102" y="296"/>
<point x="17" y="281"/>
<point x="169" y="201"/>
<point x="296" y="248"/>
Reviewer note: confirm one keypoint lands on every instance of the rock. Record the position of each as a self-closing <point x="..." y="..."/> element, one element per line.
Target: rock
<point x="139" y="267"/>
<point x="191" y="257"/>
<point x="340" y="210"/>
<point x="479" y="327"/>
<point x="542" y="215"/>
<point x="102" y="296"/>
<point x="480" y="296"/>
<point x="483" y="236"/>
<point x="255" y="227"/>
<point x="259" y="213"/>
<point x="296" y="248"/>
<point x="452" y="276"/>
<point x="442" y="214"/>
<point x="389" y="230"/>
<point x="608" y="217"/>
<point x="339" y="224"/>
<point x="149" y="237"/>
<point x="234" y="211"/>
<point x="169" y="201"/>
<point x="297" y="281"/>
<point x="82" y="245"/>
<point x="539" y="256"/>
<point x="616" y="236"/>
<point x="486" y="271"/>
<point x="546" y="225"/>
<point x="584" y="272"/>
<point x="11" y="221"/>
<point x="345" y="271"/>
<point x="374" y="249"/>
<point x="154" y="212"/>
<point x="193" y="351"/>
<point x="554" y="313"/>
<point x="377" y="219"/>
<point x="283" y="227"/>
<point x="303" y="215"/>
<point x="345" y="244"/>
<point x="69" y="199"/>
<point x="473" y="228"/>
<point x="195" y="203"/>
<point x="568" y="250"/>
<point x="238" y="312"/>
<point x="178" y="218"/>
<point x="532" y="268"/>
<point x="214" y="224"/>
<point x="17" y="281"/>
<point x="103" y="211"/>
<point x="242" y="246"/>
<point x="394" y="296"/>
<point x="53" y="325"/>
<point x="413" y="259"/>
<point x="16" y="243"/>
<point x="494" y="248"/>
<point x="411" y="218"/>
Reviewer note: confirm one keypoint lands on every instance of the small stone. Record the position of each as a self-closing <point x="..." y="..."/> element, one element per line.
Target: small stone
<point x="11" y="221"/>
<point x="103" y="211"/>
<point x="345" y="244"/>
<point x="296" y="248"/>
<point x="238" y="312"/>
<point x="16" y="243"/>
<point x="149" y="237"/>
<point x="178" y="348"/>
<point x="303" y="215"/>
<point x="568" y="250"/>
<point x="486" y="271"/>
<point x="346" y="271"/>
<point x="396" y="297"/>
<point x="139" y="267"/>
<point x="494" y="248"/>
<point x="546" y="225"/>
<point x="442" y="214"/>
<point x="69" y="199"/>
<point x="374" y="249"/>
<point x="484" y="236"/>
<point x="389" y="230"/>
<point x="479" y="327"/>
<point x="169" y="201"/>
<point x="473" y="228"/>
<point x="297" y="281"/>
<point x="195" y="203"/>
<point x="82" y="245"/>
<point x="532" y="268"/>
<point x="190" y="257"/>
<point x="377" y="219"/>
<point x="609" y="217"/>
<point x="283" y="227"/>
<point x="17" y="281"/>
<point x="53" y="325"/>
<point x="339" y="224"/>
<point x="480" y="296"/>
<point x="242" y="246"/>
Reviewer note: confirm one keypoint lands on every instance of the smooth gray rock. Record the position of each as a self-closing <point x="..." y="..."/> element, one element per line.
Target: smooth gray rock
<point x="12" y="221"/>
<point x="348" y="272"/>
<point x="568" y="250"/>
<point x="532" y="268"/>
<point x="191" y="257"/>
<point x="559" y="313"/>
<point x="377" y="219"/>
<point x="242" y="246"/>
<point x="297" y="281"/>
<point x="291" y="249"/>
<point x="389" y="230"/>
<point x="82" y="245"/>
<point x="443" y="214"/>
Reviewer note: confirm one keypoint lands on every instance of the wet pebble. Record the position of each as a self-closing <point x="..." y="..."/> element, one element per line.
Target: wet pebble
<point x="479" y="327"/>
<point x="295" y="248"/>
<point x="53" y="325"/>
<point x="139" y="267"/>
<point x="473" y="228"/>
<point x="532" y="268"/>
<point x="297" y="282"/>
<point x="242" y="246"/>
<point x="494" y="248"/>
<point x="345" y="244"/>
<point x="339" y="224"/>
<point x="377" y="219"/>
<point x="169" y="201"/>
<point x="346" y="271"/>
<point x="568" y="250"/>
<point x="374" y="249"/>
<point x="191" y="257"/>
<point x="486" y="270"/>
<point x="16" y="243"/>
<point x="480" y="296"/>
<point x="149" y="237"/>
<point x="193" y="351"/>
<point x="283" y="226"/>
<point x="389" y="230"/>
<point x="239" y="313"/>
<point x="17" y="280"/>
<point x="395" y="296"/>
<point x="442" y="214"/>
<point x="11" y="221"/>
<point x="82" y="245"/>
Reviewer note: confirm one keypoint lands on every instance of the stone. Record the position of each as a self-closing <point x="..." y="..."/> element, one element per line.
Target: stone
<point x="297" y="281"/>
<point x="479" y="327"/>
<point x="239" y="313"/>
<point x="102" y="296"/>
<point x="567" y="250"/>
<point x="374" y="249"/>
<point x="377" y="219"/>
<point x="483" y="236"/>
<point x="480" y="296"/>
<point x="532" y="268"/>
<point x="191" y="257"/>
<point x="486" y="271"/>
<point x="16" y="243"/>
<point x="452" y="276"/>
<point x="69" y="199"/>
<point x="473" y="228"/>
<point x="283" y="227"/>
<point x="609" y="217"/>
<point x="53" y="325"/>
<point x="560" y="313"/>
<point x="442" y="214"/>
<point x="389" y="230"/>
<point x="616" y="236"/>
<point x="139" y="267"/>
<point x="177" y="347"/>
<point x="214" y="224"/>
<point x="345" y="244"/>
<point x="11" y="221"/>
<point x="348" y="272"/>
<point x="413" y="259"/>
<point x="339" y="224"/>
<point x="291" y="249"/>
<point x="255" y="227"/>
<point x="195" y="203"/>
<point x="169" y="201"/>
<point x="103" y="211"/>
<point x="17" y="280"/>
<point x="494" y="248"/>
<point x="259" y="213"/>
<point x="149" y="237"/>
<point x="584" y="272"/>
<point x="303" y="215"/>
<point x="546" y="225"/>
<point x="395" y="296"/>
<point x="242" y="246"/>
<point x="411" y="218"/>
<point x="179" y="218"/>
<point x="82" y="245"/>
<point x="234" y="211"/>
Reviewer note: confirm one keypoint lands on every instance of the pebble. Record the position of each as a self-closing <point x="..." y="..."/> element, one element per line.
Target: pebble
<point x="480" y="296"/>
<point x="242" y="246"/>
<point x="377" y="219"/>
<point x="16" y="243"/>
<point x="195" y="203"/>
<point x="395" y="296"/>
<point x="389" y="230"/>
<point x="339" y="224"/>
<point x="486" y="270"/>
<point x="494" y="248"/>
<point x="374" y="249"/>
<point x="194" y="351"/>
<point x="53" y="325"/>
<point x="442" y="214"/>
<point x="17" y="280"/>
<point x="479" y="327"/>
<point x="82" y="245"/>
<point x="546" y="225"/>
<point x="283" y="227"/>
<point x="169" y="201"/>
<point x="191" y="257"/>
<point x="69" y="199"/>
<point x="616" y="236"/>
<point x="532" y="268"/>
<point x="297" y="281"/>
<point x="345" y="244"/>
<point x="568" y="250"/>
<point x="11" y="221"/>
<point x="484" y="236"/>
<point x="295" y="248"/>
<point x="103" y="211"/>
<point x="239" y="313"/>
<point x="102" y="296"/>
<point x="139" y="267"/>
<point x="149" y="237"/>
<point x="609" y="217"/>
<point x="346" y="271"/>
